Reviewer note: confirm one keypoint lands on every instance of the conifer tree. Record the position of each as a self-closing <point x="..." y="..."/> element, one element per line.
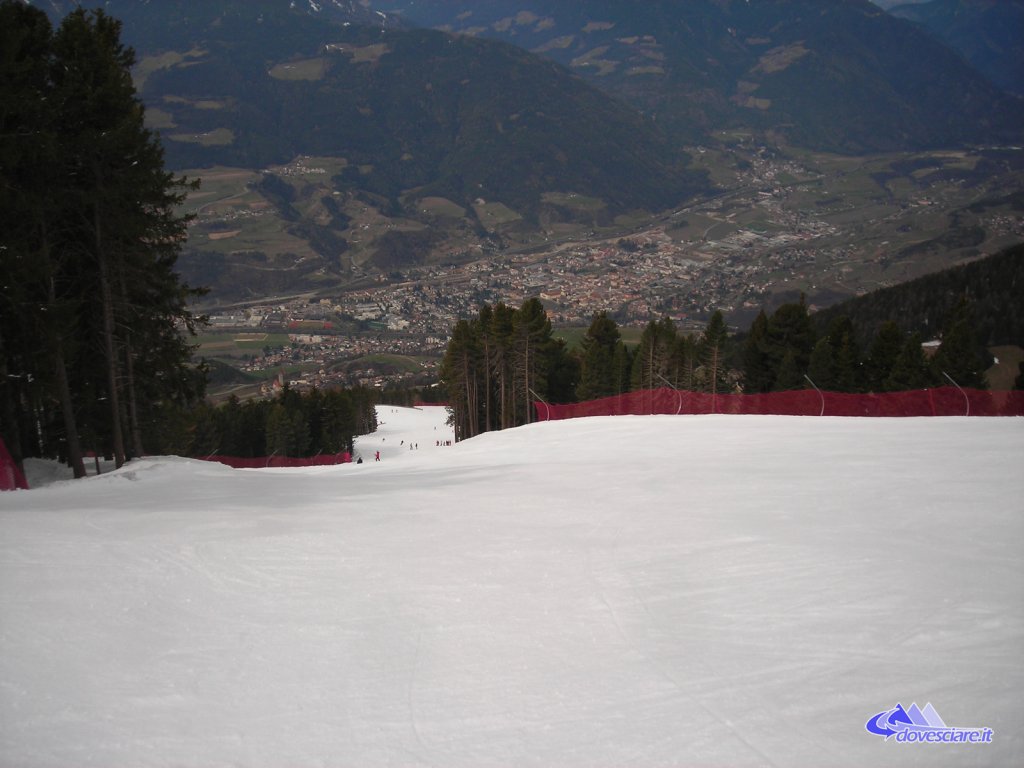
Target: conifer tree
<point x="488" y="342"/>
<point x="758" y="374"/>
<point x="653" y="355"/>
<point x="500" y="363"/>
<point x="338" y="422"/>
<point x="600" y="359"/>
<point x="563" y="373"/>
<point x="460" y="373"/>
<point x="821" y="368"/>
<point x="790" y="375"/>
<point x="882" y="357"/>
<point x="38" y="303"/>
<point x="789" y="335"/>
<point x="623" y="365"/>
<point x="960" y="354"/>
<point x="683" y="362"/>
<point x="287" y="430"/>
<point x="92" y="234"/>
<point x="713" y="350"/>
<point x="911" y="369"/>
<point x="508" y="358"/>
<point x="847" y="371"/>
<point x="131" y="232"/>
<point x="531" y="333"/>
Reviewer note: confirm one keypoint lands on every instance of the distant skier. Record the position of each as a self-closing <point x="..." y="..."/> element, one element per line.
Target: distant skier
<point x="376" y="456"/>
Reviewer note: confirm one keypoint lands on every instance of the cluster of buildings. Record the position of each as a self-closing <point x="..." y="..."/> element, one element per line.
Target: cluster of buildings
<point x="733" y="253"/>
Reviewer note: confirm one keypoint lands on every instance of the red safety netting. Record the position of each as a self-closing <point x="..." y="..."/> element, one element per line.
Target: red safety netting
<point x="262" y="462"/>
<point x="11" y="476"/>
<point x="943" y="401"/>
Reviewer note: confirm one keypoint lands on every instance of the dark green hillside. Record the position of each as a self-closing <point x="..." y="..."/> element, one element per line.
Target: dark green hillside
<point x="249" y="84"/>
<point x="993" y="285"/>
<point x="455" y="117"/>
<point x="837" y="75"/>
<point x="989" y="34"/>
<point x="475" y="140"/>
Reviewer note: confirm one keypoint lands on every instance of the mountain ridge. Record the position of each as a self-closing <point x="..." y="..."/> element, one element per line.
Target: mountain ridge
<point x="503" y="140"/>
<point x="833" y="76"/>
<point x="989" y="34"/>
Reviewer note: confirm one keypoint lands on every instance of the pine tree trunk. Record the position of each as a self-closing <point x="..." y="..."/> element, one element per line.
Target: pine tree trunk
<point x="133" y="410"/>
<point x="468" y="379"/>
<point x="135" y="430"/>
<point x="106" y="294"/>
<point x="500" y="373"/>
<point x="74" y="445"/>
<point x="487" y="386"/>
<point x="526" y="380"/>
<point x="75" y="458"/>
<point x="503" y="409"/>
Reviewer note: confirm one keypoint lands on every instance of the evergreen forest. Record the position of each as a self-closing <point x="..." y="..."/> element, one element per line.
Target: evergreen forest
<point x="94" y="319"/>
<point x="292" y="424"/>
<point x="95" y="326"/>
<point x="498" y="364"/>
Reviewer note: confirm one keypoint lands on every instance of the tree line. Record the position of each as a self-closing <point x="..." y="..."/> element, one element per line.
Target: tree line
<point x="293" y="424"/>
<point x="784" y="351"/>
<point x="499" y="363"/>
<point x="994" y="285"/>
<point x="93" y="317"/>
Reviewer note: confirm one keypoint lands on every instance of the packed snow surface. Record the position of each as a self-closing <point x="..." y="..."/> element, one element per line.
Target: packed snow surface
<point x="641" y="591"/>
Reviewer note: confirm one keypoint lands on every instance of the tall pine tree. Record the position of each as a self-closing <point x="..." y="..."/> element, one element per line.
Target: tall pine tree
<point x="92" y="235"/>
<point x="960" y="356"/>
<point x="713" y="349"/>
<point x="758" y="374"/>
<point x="600" y="359"/>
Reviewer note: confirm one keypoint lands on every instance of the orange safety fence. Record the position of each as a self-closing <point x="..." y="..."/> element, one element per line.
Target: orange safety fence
<point x="11" y="476"/>
<point x="942" y="401"/>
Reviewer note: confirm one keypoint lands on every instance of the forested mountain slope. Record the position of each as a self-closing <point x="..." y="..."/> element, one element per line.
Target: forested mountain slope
<point x="255" y="83"/>
<point x="829" y="74"/>
<point x="993" y="286"/>
<point x="989" y="34"/>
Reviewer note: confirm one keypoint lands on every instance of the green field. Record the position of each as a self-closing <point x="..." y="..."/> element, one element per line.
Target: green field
<point x="306" y="69"/>
<point x="493" y="215"/>
<point x="385" y="361"/>
<point x="573" y="201"/>
<point x="441" y="206"/>
<point x="150" y="64"/>
<point x="219" y="137"/>
<point x="235" y="344"/>
<point x="573" y="335"/>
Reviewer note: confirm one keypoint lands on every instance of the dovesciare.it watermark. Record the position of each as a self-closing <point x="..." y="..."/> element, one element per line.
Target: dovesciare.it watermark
<point x="913" y="725"/>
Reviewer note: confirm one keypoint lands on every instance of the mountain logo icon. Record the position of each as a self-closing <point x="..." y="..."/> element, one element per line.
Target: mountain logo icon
<point x="915" y="724"/>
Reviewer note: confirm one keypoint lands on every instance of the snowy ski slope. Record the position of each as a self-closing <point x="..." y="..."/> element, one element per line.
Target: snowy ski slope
<point x="627" y="591"/>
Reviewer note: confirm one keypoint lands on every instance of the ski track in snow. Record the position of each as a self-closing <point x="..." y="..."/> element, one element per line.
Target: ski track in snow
<point x="692" y="590"/>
